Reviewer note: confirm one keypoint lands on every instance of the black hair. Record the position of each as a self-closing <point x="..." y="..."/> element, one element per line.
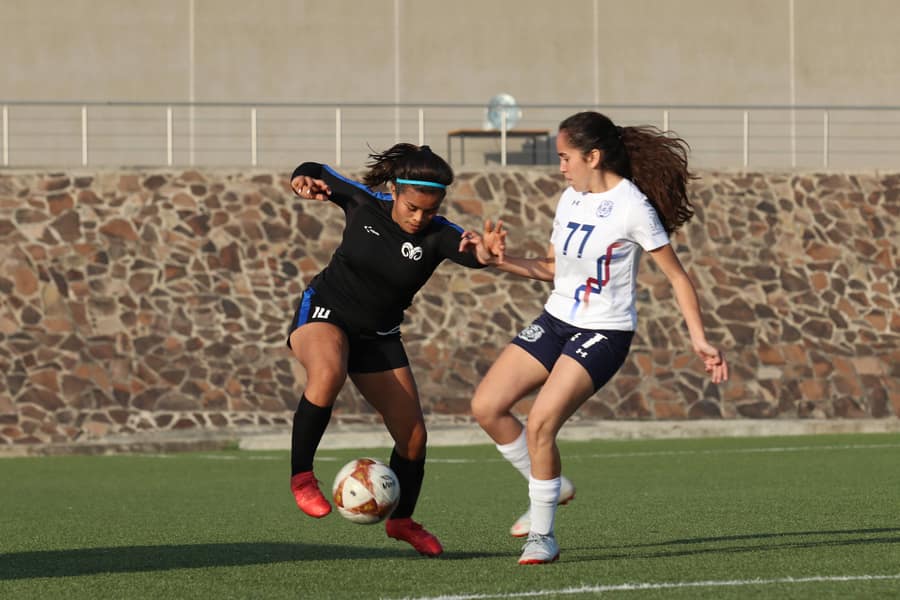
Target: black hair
<point x="408" y="161"/>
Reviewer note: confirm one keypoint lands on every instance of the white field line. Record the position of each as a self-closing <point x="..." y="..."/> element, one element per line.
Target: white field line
<point x="610" y="455"/>
<point x="774" y="449"/>
<point x="627" y="587"/>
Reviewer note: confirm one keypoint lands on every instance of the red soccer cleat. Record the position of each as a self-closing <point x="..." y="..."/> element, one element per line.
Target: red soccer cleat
<point x="308" y="495"/>
<point x="413" y="533"/>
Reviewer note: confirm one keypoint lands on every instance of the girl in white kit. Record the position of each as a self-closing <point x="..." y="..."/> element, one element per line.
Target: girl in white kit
<point x="627" y="192"/>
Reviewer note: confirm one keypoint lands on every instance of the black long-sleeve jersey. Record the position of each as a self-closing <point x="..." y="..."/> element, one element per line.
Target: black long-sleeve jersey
<point x="378" y="268"/>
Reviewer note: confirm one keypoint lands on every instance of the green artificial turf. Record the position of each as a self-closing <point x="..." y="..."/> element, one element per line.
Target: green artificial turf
<point x="704" y="518"/>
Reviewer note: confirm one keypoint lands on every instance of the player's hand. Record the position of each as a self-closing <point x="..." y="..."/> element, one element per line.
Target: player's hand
<point x="471" y="241"/>
<point x="495" y="240"/>
<point x="713" y="361"/>
<point x="488" y="248"/>
<point x="310" y="188"/>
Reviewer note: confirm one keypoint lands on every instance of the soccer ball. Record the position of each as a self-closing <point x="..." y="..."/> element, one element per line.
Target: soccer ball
<point x="366" y="491"/>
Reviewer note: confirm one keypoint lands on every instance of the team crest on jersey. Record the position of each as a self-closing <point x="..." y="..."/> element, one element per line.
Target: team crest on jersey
<point x="604" y="209"/>
<point x="411" y="252"/>
<point x="531" y="333"/>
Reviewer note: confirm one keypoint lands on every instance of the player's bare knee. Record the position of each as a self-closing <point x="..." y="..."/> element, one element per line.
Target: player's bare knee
<point x="484" y="411"/>
<point x="486" y="418"/>
<point x="539" y="432"/>
<point x="323" y="386"/>
<point x="417" y="442"/>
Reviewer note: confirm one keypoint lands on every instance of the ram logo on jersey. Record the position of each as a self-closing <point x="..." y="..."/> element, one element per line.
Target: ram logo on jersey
<point x="531" y="333"/>
<point x="411" y="252"/>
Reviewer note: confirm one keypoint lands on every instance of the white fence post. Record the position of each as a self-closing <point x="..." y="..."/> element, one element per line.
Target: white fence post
<point x="253" y="148"/>
<point x="421" y="127"/>
<point x="503" y="137"/>
<point x="793" y="138"/>
<point x="84" y="133"/>
<point x="5" y="136"/>
<point x="191" y="135"/>
<point x="170" y="151"/>
<point x="746" y="138"/>
<point x="337" y="137"/>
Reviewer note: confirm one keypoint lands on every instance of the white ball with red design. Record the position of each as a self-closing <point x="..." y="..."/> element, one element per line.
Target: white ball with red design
<point x="366" y="491"/>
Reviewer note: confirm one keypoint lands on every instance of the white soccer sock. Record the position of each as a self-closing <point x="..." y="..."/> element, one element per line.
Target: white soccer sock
<point x="544" y="494"/>
<point x="516" y="452"/>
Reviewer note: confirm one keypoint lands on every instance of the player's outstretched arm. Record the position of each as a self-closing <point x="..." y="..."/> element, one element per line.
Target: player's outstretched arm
<point x="490" y="248"/>
<point x="686" y="295"/>
<point x="542" y="269"/>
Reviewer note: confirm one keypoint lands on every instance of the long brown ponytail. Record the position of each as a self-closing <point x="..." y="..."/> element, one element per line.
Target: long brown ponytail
<point x="654" y="160"/>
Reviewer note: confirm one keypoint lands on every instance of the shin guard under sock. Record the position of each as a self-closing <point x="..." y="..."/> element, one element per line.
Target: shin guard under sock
<point x="410" y="474"/>
<point x="310" y="422"/>
<point x="544" y="494"/>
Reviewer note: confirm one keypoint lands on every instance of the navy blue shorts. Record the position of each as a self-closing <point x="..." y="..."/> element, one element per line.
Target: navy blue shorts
<point x="370" y="351"/>
<point x="600" y="351"/>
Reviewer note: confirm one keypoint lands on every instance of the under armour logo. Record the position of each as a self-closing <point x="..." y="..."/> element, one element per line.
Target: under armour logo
<point x="411" y="252"/>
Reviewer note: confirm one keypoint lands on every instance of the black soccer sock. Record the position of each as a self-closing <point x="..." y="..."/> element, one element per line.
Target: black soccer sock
<point x="310" y="422"/>
<point x="410" y="474"/>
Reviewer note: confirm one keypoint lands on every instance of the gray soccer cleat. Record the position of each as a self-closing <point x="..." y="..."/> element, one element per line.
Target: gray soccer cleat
<point x="523" y="524"/>
<point x="539" y="549"/>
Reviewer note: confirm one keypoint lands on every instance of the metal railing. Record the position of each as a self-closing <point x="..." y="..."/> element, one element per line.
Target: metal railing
<point x="115" y="134"/>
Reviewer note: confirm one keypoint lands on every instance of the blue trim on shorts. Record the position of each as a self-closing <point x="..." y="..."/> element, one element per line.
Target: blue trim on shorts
<point x="303" y="313"/>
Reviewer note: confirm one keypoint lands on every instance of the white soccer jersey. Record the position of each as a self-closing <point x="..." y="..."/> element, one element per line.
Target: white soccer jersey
<point x="597" y="241"/>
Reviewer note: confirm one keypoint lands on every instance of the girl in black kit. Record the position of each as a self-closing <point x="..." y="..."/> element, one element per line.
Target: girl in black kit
<point x="348" y="320"/>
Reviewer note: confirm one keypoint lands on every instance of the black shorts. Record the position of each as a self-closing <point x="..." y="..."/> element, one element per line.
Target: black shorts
<point x="600" y="351"/>
<point x="370" y="351"/>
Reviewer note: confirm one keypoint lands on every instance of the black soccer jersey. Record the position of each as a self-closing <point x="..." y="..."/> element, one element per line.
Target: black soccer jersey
<point x="378" y="268"/>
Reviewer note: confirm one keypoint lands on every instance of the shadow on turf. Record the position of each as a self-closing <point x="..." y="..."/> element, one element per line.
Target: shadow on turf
<point x="784" y="542"/>
<point x="131" y="559"/>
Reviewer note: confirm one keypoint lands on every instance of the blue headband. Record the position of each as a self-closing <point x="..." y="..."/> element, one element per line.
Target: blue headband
<point x="420" y="182"/>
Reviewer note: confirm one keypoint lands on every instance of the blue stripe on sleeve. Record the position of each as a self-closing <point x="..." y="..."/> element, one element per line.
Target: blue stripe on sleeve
<point x="444" y="221"/>
<point x="379" y="195"/>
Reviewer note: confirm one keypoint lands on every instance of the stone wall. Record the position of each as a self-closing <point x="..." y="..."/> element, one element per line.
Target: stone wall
<point x="143" y="301"/>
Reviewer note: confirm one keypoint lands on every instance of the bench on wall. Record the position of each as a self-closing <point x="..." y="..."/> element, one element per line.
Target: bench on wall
<point x="532" y="137"/>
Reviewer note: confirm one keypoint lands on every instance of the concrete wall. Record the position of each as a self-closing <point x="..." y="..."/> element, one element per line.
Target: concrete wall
<point x="465" y="51"/>
<point x="152" y="301"/>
